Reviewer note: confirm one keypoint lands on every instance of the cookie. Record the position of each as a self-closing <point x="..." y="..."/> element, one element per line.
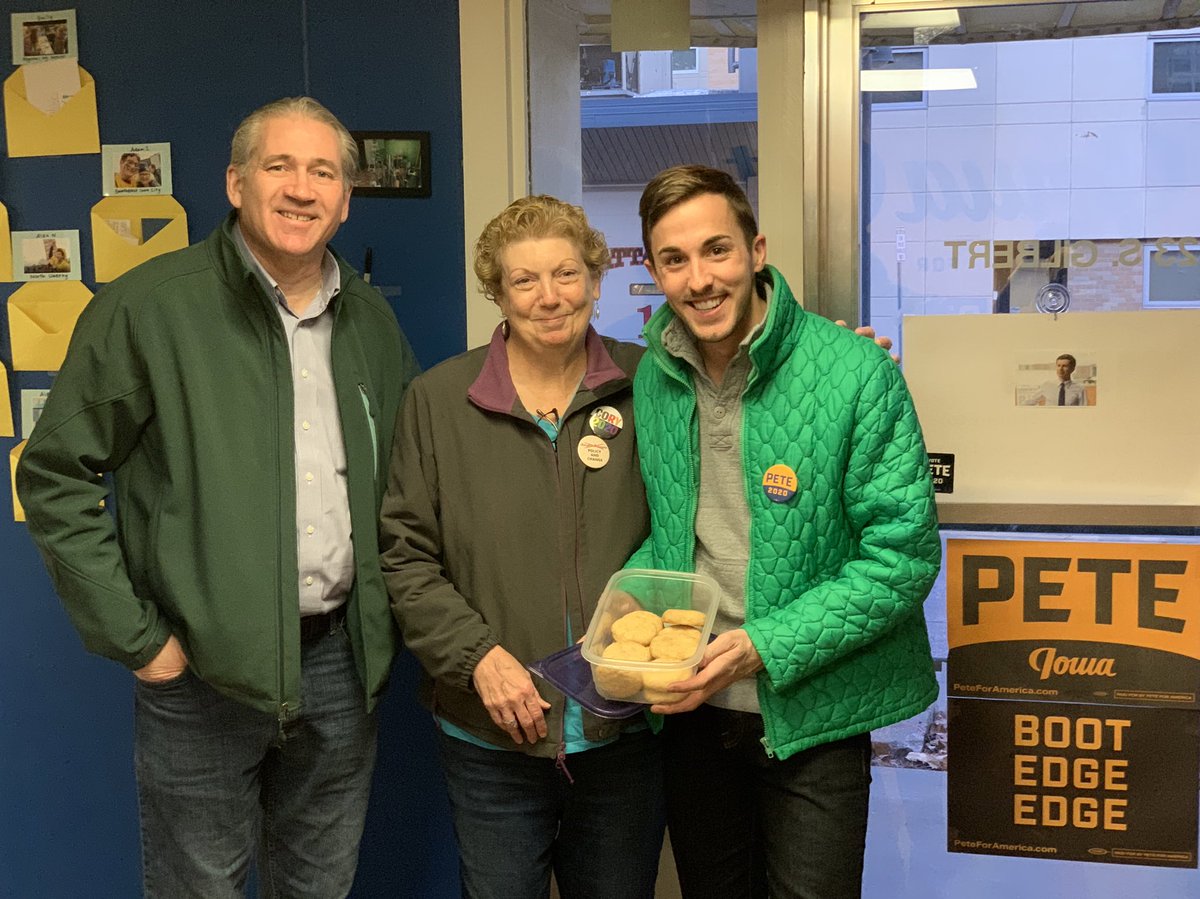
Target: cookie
<point x="686" y="617"/>
<point x="616" y="683"/>
<point x="628" y="651"/>
<point x="620" y="683"/>
<point x="675" y="643"/>
<point x="640" y="627"/>
<point x="654" y="684"/>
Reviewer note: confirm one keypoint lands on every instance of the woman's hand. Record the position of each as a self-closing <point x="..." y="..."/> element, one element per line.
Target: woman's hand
<point x="509" y="695"/>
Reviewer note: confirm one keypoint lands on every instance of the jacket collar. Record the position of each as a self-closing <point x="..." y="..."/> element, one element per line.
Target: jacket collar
<point x="780" y="330"/>
<point x="493" y="389"/>
<point x="233" y="270"/>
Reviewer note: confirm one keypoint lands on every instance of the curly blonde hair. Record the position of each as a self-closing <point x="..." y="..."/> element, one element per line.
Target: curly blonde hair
<point x="531" y="218"/>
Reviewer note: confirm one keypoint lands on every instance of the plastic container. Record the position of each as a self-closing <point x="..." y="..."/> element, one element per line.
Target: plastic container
<point x="641" y="589"/>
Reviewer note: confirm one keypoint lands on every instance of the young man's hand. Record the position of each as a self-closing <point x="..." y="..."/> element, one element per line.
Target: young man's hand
<point x="728" y="658"/>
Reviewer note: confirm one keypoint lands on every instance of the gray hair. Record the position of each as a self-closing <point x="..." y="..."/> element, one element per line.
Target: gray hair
<point x="247" y="138"/>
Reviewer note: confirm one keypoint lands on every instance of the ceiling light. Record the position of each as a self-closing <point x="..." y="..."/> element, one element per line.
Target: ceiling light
<point x="880" y="80"/>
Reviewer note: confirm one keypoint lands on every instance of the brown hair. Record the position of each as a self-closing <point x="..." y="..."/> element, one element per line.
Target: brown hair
<point x="678" y="184"/>
<point x="246" y="139"/>
<point x="530" y="218"/>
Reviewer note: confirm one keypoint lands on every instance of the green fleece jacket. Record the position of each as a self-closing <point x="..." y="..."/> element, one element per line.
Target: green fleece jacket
<point x="838" y="573"/>
<point x="178" y="384"/>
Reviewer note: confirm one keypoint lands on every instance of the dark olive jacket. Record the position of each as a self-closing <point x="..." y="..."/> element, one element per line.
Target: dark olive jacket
<point x="178" y="383"/>
<point x="492" y="536"/>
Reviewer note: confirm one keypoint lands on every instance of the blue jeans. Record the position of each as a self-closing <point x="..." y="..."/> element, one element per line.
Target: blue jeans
<point x="518" y="817"/>
<point x="218" y="781"/>
<point x="745" y="826"/>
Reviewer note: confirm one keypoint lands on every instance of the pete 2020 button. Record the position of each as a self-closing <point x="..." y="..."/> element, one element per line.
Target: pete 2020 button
<point x="593" y="452"/>
<point x="779" y="483"/>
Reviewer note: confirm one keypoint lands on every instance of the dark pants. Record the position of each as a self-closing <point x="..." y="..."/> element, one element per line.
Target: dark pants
<point x="518" y="817"/>
<point x="217" y="781"/>
<point x="745" y="825"/>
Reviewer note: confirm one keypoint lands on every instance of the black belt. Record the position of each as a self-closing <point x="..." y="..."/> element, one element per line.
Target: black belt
<point x="314" y="627"/>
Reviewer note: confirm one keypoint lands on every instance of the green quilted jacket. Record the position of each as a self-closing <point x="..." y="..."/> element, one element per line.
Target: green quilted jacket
<point x="838" y="574"/>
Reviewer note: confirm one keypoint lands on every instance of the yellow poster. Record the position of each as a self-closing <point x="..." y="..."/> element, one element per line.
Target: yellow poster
<point x="6" y="260"/>
<point x="13" y="457"/>
<point x="118" y="242"/>
<point x="41" y="317"/>
<point x="31" y="132"/>
<point x="6" y="416"/>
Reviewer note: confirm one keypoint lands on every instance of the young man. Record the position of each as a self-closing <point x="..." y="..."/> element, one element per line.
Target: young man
<point x="241" y="395"/>
<point x="781" y="456"/>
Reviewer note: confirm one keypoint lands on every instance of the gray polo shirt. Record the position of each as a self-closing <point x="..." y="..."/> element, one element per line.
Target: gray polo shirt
<point x="722" y="511"/>
<point x="324" y="553"/>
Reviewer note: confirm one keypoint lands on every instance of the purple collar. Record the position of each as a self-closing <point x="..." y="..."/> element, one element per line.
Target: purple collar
<point x="494" y="389"/>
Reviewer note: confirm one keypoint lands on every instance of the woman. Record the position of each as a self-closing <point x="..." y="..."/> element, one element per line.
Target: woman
<point x="498" y="542"/>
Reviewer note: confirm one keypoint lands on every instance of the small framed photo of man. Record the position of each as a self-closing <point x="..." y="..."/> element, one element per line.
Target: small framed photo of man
<point x="42" y="36"/>
<point x="46" y="256"/>
<point x="392" y="164"/>
<point x="135" y="169"/>
<point x="1067" y="379"/>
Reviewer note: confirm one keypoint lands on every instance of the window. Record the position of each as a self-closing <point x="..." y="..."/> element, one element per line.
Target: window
<point x="1172" y="275"/>
<point x="684" y="61"/>
<point x="600" y="69"/>
<point x="1174" y="67"/>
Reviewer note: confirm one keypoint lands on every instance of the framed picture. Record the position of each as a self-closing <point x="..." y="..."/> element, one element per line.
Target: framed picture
<point x="46" y="256"/>
<point x="392" y="163"/>
<point x="135" y="169"/>
<point x="43" y="36"/>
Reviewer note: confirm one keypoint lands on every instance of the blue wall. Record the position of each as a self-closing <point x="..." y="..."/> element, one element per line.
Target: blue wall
<point x="187" y="73"/>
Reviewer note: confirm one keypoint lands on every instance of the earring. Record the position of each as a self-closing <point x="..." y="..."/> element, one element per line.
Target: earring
<point x="504" y="328"/>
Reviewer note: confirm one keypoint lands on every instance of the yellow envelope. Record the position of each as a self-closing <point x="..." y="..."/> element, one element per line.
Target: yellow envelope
<point x="13" y="457"/>
<point x="41" y="317"/>
<point x="114" y="255"/>
<point x="6" y="417"/>
<point x="6" y="248"/>
<point x="31" y="132"/>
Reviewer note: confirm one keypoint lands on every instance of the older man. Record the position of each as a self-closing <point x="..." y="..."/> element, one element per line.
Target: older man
<point x="241" y="395"/>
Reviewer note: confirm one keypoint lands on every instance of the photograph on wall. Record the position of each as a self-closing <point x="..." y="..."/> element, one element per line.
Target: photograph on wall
<point x="46" y="256"/>
<point x="1066" y="378"/>
<point x="136" y="169"/>
<point x="32" y="403"/>
<point x="43" y="36"/>
<point x="392" y="164"/>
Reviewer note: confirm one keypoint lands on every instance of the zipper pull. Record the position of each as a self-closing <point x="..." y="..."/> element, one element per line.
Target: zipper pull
<point x="560" y="762"/>
<point x="767" y="747"/>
